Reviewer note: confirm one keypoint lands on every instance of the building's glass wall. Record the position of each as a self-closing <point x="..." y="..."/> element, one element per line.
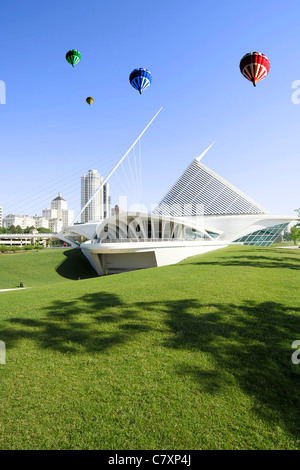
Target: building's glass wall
<point x="193" y="234"/>
<point x="264" y="237"/>
<point x="212" y="234"/>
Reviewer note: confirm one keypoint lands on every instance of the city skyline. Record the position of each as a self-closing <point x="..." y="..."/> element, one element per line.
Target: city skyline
<point x="59" y="203"/>
<point x="53" y="218"/>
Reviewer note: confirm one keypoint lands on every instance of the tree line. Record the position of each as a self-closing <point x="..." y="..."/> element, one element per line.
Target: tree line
<point x="18" y="229"/>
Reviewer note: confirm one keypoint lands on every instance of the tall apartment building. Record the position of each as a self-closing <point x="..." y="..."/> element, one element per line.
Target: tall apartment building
<point x="1" y="215"/>
<point x="58" y="215"/>
<point x="99" y="207"/>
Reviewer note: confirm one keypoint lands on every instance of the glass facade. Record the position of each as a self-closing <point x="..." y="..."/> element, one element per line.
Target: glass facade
<point x="193" y="234"/>
<point x="213" y="235"/>
<point x="264" y="237"/>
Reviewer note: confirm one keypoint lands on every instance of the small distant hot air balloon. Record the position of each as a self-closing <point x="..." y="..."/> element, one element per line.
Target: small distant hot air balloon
<point x="255" y="66"/>
<point x="73" y="57"/>
<point x="140" y="79"/>
<point x="90" y="100"/>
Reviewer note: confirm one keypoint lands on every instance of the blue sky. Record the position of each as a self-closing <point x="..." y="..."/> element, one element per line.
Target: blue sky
<point x="50" y="136"/>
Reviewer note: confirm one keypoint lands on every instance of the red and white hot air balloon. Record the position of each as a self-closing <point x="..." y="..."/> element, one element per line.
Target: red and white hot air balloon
<point x="255" y="66"/>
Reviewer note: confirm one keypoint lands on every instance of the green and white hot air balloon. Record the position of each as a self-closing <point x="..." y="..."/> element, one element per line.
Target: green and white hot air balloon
<point x="73" y="57"/>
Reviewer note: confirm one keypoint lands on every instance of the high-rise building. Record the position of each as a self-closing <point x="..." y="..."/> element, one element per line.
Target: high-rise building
<point x="1" y="215"/>
<point x="99" y="207"/>
<point x="58" y="215"/>
<point x="59" y="203"/>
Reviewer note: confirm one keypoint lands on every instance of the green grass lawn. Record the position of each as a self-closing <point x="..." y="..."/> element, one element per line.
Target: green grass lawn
<point x="191" y="356"/>
<point x="47" y="266"/>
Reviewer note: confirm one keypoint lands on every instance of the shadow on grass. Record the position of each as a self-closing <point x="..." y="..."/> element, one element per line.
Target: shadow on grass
<point x="249" y="344"/>
<point x="75" y="266"/>
<point x="257" y="259"/>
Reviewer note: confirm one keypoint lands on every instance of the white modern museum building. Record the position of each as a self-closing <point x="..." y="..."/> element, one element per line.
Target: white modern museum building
<point x="200" y="213"/>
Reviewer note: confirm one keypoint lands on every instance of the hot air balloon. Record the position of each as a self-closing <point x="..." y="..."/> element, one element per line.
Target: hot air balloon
<point x="90" y="100"/>
<point x="140" y="79"/>
<point x="255" y="66"/>
<point x="73" y="57"/>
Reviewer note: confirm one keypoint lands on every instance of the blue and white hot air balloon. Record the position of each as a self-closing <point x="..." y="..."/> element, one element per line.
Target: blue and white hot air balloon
<point x="140" y="79"/>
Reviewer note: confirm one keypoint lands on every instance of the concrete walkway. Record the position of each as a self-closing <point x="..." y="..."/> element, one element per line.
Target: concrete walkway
<point x="18" y="288"/>
<point x="290" y="247"/>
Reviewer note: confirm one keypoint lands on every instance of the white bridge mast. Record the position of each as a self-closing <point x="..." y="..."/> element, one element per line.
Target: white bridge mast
<point x="114" y="169"/>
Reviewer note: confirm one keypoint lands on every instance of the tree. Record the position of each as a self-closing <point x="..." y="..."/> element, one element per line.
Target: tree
<point x="43" y="230"/>
<point x="295" y="234"/>
<point x="27" y="229"/>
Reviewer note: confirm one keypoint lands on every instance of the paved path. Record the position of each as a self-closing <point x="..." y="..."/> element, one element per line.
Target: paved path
<point x="18" y="288"/>
<point x="291" y="247"/>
